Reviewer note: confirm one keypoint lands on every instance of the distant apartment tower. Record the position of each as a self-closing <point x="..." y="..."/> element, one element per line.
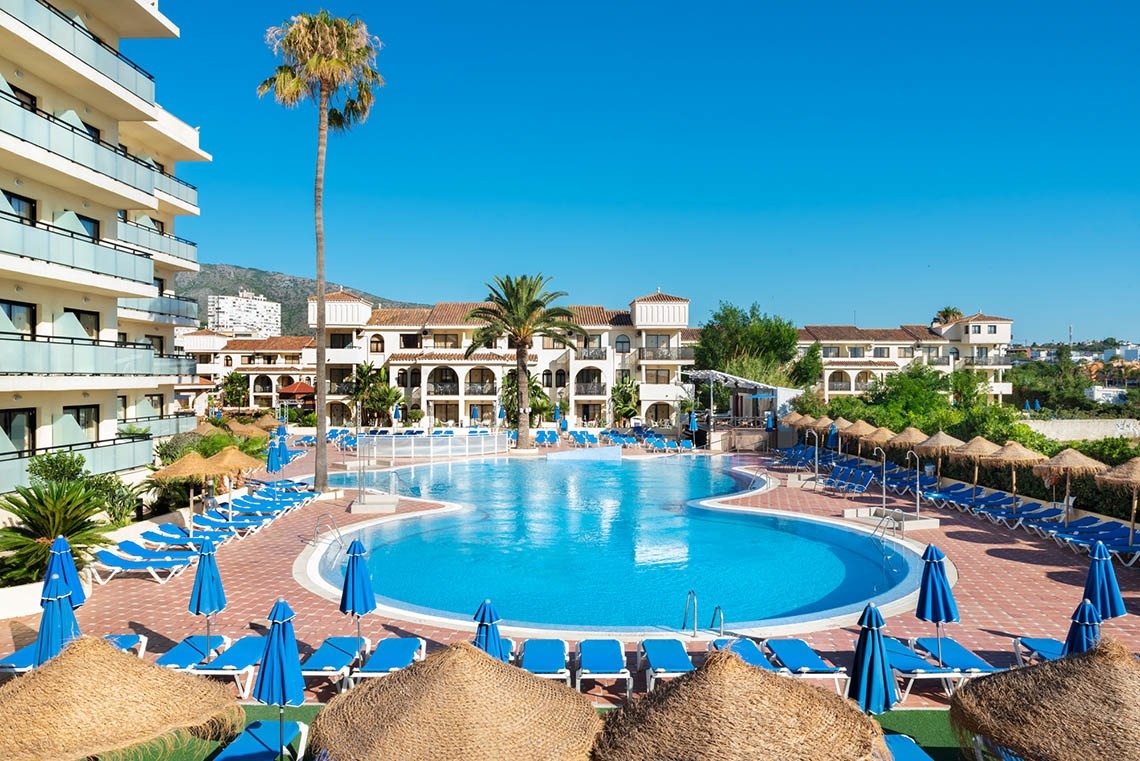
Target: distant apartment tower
<point x="247" y="314"/>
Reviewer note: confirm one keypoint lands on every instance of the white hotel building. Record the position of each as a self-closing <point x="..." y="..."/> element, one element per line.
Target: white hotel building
<point x="88" y="205"/>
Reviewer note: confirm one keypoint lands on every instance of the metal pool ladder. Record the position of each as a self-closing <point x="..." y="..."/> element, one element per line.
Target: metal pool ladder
<point x="718" y="613"/>
<point x="328" y="522"/>
<point x="690" y="600"/>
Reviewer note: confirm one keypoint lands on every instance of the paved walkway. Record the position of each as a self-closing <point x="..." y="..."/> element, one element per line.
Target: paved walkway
<point x="1010" y="584"/>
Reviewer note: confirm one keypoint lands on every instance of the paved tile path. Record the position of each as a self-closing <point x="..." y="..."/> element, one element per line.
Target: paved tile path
<point x="1010" y="584"/>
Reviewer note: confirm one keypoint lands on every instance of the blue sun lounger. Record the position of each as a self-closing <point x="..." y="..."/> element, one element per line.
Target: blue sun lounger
<point x="662" y="659"/>
<point x="136" y="550"/>
<point x="113" y="565"/>
<point x="801" y="660"/>
<point x="238" y="660"/>
<point x="391" y="655"/>
<point x="169" y="533"/>
<point x="954" y="655"/>
<point x="24" y="659"/>
<point x="334" y="659"/>
<point x="1026" y="649"/>
<point x="192" y="651"/>
<point x="602" y="659"/>
<point x="547" y="658"/>
<point x="904" y="748"/>
<point x="748" y="651"/>
<point x="909" y="666"/>
<point x="259" y="741"/>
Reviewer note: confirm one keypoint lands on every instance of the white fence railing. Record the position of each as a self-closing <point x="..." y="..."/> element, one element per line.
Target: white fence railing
<point x="379" y="449"/>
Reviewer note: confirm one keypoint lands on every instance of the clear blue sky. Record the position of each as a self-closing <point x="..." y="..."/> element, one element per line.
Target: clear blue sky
<point x="830" y="161"/>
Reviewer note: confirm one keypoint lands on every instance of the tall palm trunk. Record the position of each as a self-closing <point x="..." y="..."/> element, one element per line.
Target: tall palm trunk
<point x="523" y="382"/>
<point x="321" y="465"/>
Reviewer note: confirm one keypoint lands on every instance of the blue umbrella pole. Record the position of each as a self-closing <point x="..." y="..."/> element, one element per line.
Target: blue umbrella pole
<point x="938" y="639"/>
<point x="281" y="732"/>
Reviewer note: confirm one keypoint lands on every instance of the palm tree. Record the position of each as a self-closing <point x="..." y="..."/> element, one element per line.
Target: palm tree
<point x="536" y="397"/>
<point x="324" y="58"/>
<point x="59" y="508"/>
<point x="520" y="309"/>
<point x="947" y="315"/>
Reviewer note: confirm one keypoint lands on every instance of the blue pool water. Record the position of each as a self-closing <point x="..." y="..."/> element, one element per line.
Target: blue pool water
<point x="613" y="545"/>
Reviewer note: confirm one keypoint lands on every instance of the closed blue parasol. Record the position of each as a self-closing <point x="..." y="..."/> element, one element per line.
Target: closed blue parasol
<point x="935" y="598"/>
<point x="62" y="562"/>
<point x="832" y="438"/>
<point x="273" y="463"/>
<point x="208" y="596"/>
<point x="356" y="597"/>
<point x="396" y="413"/>
<point x="1037" y="405"/>
<point x="502" y="413"/>
<point x="872" y="685"/>
<point x="692" y="421"/>
<point x="487" y="636"/>
<point x="474" y="411"/>
<point x="1084" y="632"/>
<point x="279" y="681"/>
<point x="281" y="431"/>
<point x="1027" y="407"/>
<point x="557" y="412"/>
<point x="1101" y="588"/>
<point x="57" y="624"/>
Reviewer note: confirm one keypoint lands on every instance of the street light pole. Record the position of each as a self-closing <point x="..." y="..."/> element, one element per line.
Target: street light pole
<point x="917" y="473"/>
<point x="883" y="479"/>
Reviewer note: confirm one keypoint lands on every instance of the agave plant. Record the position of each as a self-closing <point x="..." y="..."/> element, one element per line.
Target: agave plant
<point x="43" y="512"/>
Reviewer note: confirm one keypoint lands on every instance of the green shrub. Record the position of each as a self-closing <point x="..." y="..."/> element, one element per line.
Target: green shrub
<point x="120" y="499"/>
<point x="43" y="512"/>
<point x="56" y="466"/>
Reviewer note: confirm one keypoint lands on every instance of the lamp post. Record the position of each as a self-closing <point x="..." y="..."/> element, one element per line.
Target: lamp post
<point x="917" y="474"/>
<point x="883" y="478"/>
<point x="814" y="433"/>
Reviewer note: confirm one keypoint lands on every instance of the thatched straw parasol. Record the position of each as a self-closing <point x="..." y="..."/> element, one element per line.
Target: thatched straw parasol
<point x="791" y="418"/>
<point x="807" y="421"/>
<point x="458" y="703"/>
<point x="1014" y="455"/>
<point x="92" y="699"/>
<point x="1082" y="707"/>
<point x="908" y="438"/>
<point x="267" y="423"/>
<point x="939" y="444"/>
<point x="207" y="429"/>
<point x="879" y="437"/>
<point x="233" y="460"/>
<point x="1126" y="476"/>
<point x="857" y="431"/>
<point x="248" y="431"/>
<point x="191" y="466"/>
<point x="974" y="450"/>
<point x="1071" y="463"/>
<point x="842" y="424"/>
<point x="729" y="710"/>
<point x="822" y="425"/>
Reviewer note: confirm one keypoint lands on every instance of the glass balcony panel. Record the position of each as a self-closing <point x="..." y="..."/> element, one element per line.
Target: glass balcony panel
<point x="173" y="186"/>
<point x="481" y="389"/>
<point x="667" y="353"/>
<point x="72" y="37"/>
<point x="593" y="352"/>
<point x="175" y="364"/>
<point x="589" y="389"/>
<point x="162" y="425"/>
<point x="145" y="237"/>
<point x="164" y="307"/>
<point x="52" y="244"/>
<point x="45" y="356"/>
<point x="106" y="456"/>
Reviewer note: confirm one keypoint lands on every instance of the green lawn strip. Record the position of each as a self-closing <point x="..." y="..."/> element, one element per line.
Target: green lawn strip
<point x="192" y="749"/>
<point x="930" y="729"/>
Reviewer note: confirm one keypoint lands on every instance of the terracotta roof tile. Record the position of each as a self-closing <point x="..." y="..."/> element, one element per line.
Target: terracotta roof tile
<point x="590" y="316"/>
<point x="413" y="317"/>
<point x="661" y="297"/>
<point x="690" y="335"/>
<point x="619" y="318"/>
<point x="852" y="333"/>
<point x="277" y="343"/>
<point x="342" y="295"/>
<point x="205" y="332"/>
<point x="849" y="362"/>
<point x="979" y="317"/>
<point x="452" y="313"/>
<point x="923" y="333"/>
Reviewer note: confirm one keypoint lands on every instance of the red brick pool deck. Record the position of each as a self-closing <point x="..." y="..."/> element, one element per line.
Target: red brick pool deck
<point x="1010" y="584"/>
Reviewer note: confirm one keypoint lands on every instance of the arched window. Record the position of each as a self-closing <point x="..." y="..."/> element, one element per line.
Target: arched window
<point x="229" y="361"/>
<point x="560" y="379"/>
<point x="621" y="345"/>
<point x="402" y="379"/>
<point x="376" y="344"/>
<point x="547" y="378"/>
<point x="416" y="377"/>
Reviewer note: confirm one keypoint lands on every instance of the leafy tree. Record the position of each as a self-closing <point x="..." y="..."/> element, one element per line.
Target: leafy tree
<point x="762" y="368"/>
<point x="119" y="499"/>
<point x="43" y="512"/>
<point x="626" y="398"/>
<point x="733" y="332"/>
<point x="968" y="388"/>
<point x="326" y="59"/>
<point x="808" y="369"/>
<point x="371" y="392"/>
<point x="914" y="396"/>
<point x="54" y="467"/>
<point x="235" y="390"/>
<point x="948" y="314"/>
<point x="521" y="309"/>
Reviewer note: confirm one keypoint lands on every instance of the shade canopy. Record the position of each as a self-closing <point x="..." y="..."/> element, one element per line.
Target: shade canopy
<point x="842" y="424"/>
<point x="822" y="425"/>
<point x="858" y="429"/>
<point x="457" y="703"/>
<point x="791" y="418"/>
<point x="1013" y="453"/>
<point x="94" y="699"/>
<point x="62" y="562"/>
<point x="232" y="460"/>
<point x="974" y="449"/>
<point x="1084" y="632"/>
<point x="806" y="421"/>
<point x="1101" y="587"/>
<point x="58" y="626"/>
<point x="1055" y="710"/>
<point x="727" y="709"/>
<point x="1069" y="462"/>
<point x="879" y="437"/>
<point x="190" y="465"/>
<point x="907" y="438"/>
<point x="1127" y="477"/>
<point x="242" y="429"/>
<point x="939" y="444"/>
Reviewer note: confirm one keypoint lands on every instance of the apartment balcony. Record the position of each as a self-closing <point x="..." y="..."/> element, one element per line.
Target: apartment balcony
<point x="862" y="386"/>
<point x="60" y="50"/>
<point x="52" y="355"/>
<point x="182" y="191"/>
<point x="994" y="361"/>
<point x="666" y="354"/>
<point x="839" y="386"/>
<point x="481" y="389"/>
<point x="938" y="361"/>
<point x="337" y="388"/>
<point x="589" y="389"/>
<point x="1000" y="388"/>
<point x="132" y="271"/>
<point x="163" y="310"/>
<point x="161" y="426"/>
<point x="443" y="389"/>
<point x="592" y="352"/>
<point x="175" y="364"/>
<point x="156" y="242"/>
<point x="106" y="456"/>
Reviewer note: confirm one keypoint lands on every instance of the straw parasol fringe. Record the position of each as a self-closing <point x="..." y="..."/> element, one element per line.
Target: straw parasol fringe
<point x="1013" y="454"/>
<point x="974" y="450"/>
<point x="822" y="425"/>
<point x="1126" y="476"/>
<point x="458" y="703"/>
<point x="939" y="444"/>
<point x="92" y="699"/>
<point x="1071" y="463"/>
<point x="791" y="418"/>
<point x="857" y="431"/>
<point x="1083" y="706"/>
<point x="908" y="438"/>
<point x="731" y="711"/>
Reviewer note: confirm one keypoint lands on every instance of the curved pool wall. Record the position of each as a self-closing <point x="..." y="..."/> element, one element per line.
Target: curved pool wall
<point x="831" y="591"/>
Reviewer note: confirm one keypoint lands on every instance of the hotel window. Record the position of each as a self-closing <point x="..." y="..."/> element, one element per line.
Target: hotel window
<point x="547" y="378"/>
<point x="94" y="132"/>
<point x="20" y="427"/>
<point x="656" y="376"/>
<point x="906" y="352"/>
<point x="157" y="342"/>
<point x="121" y="337"/>
<point x="623" y="375"/>
<point x="24" y="207"/>
<point x="228" y="361"/>
<point x="87" y="415"/>
<point x="560" y="379"/>
<point x="552" y="343"/>
<point x="975" y="329"/>
<point x="376" y="344"/>
<point x="881" y="352"/>
<point x="409" y="340"/>
<point x="621" y="345"/>
<point x="991" y="329"/>
<point x="90" y="226"/>
<point x="416" y="378"/>
<point x="27" y="100"/>
<point x="89" y="321"/>
<point x="159" y="166"/>
<point x="657" y="341"/>
<point x="122" y="403"/>
<point x="21" y="315"/>
<point x="158" y="402"/>
<point x="159" y="225"/>
<point x="160" y="285"/>
<point x="402" y="379"/>
<point x="855" y="352"/>
<point x="591" y="342"/>
<point x="340" y="341"/>
<point x="447" y="340"/>
<point x="829" y="351"/>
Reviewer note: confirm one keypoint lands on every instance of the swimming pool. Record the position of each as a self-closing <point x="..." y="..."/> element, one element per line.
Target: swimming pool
<point x="614" y="546"/>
